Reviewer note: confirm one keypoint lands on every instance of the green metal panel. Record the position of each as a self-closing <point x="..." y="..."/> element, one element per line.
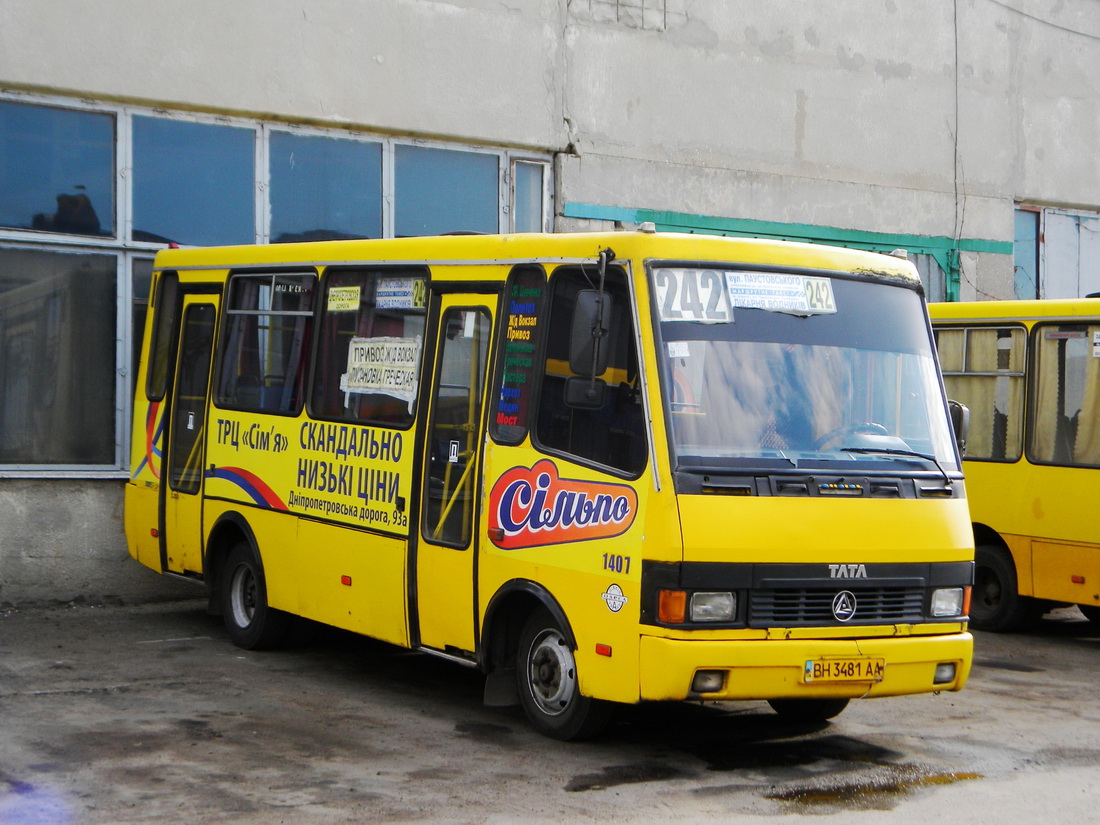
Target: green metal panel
<point x="945" y="250"/>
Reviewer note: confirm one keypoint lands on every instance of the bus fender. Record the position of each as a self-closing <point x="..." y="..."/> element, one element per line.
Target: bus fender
<point x="504" y="619"/>
<point x="234" y="526"/>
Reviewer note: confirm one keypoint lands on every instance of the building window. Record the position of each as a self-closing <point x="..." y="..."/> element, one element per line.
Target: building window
<point x="931" y="275"/>
<point x="58" y="327"/>
<point x="1025" y="248"/>
<point x="528" y="196"/>
<point x="648" y="15"/>
<point x="194" y="183"/>
<point x="57" y="170"/>
<point x="89" y="191"/>
<point x="324" y="188"/>
<point x="442" y="190"/>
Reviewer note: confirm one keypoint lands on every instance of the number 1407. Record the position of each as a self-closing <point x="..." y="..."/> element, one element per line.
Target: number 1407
<point x="619" y="564"/>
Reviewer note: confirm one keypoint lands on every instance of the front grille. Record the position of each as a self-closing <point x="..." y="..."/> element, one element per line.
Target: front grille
<point x="793" y="607"/>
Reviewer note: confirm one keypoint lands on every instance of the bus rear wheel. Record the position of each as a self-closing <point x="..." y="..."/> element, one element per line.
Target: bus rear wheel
<point x="546" y="678"/>
<point x="997" y="604"/>
<point x="808" y="710"/>
<point x="249" y="621"/>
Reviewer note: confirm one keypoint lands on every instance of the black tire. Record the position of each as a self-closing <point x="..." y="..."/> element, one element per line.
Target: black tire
<point x="546" y="679"/>
<point x="250" y="622"/>
<point x="808" y="710"/>
<point x="1090" y="612"/>
<point x="996" y="604"/>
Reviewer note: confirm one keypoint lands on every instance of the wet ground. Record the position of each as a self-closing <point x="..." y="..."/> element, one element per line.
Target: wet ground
<point x="148" y="714"/>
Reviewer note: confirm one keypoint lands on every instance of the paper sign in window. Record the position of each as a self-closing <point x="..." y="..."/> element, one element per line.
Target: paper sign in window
<point x="343" y="299"/>
<point x="384" y="366"/>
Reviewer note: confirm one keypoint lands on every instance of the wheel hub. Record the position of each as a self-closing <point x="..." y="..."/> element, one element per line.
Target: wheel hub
<point x="552" y="673"/>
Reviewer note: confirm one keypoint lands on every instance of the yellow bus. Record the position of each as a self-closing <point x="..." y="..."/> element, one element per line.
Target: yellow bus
<point x="602" y="468"/>
<point x="1030" y="373"/>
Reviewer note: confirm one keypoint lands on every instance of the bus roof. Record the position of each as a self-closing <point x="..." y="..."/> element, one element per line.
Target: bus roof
<point x="466" y="250"/>
<point x="1016" y="310"/>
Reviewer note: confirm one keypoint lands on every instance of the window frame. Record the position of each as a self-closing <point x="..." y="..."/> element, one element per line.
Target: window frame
<point x="228" y="327"/>
<point x="373" y="273"/>
<point x="1024" y="374"/>
<point x="618" y="279"/>
<point x="127" y="250"/>
<point x="1035" y="380"/>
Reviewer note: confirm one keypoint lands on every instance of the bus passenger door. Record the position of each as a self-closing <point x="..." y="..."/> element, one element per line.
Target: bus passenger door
<point x="181" y="524"/>
<point x="447" y="545"/>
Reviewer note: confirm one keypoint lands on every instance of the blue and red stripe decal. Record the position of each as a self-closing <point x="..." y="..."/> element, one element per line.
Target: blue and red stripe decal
<point x="254" y="486"/>
<point x="154" y="428"/>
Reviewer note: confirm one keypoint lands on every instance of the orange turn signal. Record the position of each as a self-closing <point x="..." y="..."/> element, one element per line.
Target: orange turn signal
<point x="671" y="606"/>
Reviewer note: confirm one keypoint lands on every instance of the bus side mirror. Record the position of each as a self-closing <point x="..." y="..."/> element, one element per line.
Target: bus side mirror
<point x="585" y="393"/>
<point x="589" y="332"/>
<point x="960" y="423"/>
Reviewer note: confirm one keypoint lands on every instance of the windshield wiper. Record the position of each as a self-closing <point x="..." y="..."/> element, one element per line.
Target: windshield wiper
<point x="911" y="453"/>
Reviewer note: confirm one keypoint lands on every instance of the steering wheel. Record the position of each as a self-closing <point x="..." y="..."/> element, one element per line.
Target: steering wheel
<point x="867" y="427"/>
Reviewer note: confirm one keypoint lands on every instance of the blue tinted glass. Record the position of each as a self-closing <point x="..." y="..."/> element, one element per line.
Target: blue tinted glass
<point x="441" y="190"/>
<point x="1026" y="254"/>
<point x="324" y="188"/>
<point x="57" y="170"/>
<point x="193" y="183"/>
<point x="57" y="357"/>
<point x="527" y="209"/>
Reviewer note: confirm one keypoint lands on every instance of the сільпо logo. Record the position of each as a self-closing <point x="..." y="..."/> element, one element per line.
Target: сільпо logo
<point x="532" y="507"/>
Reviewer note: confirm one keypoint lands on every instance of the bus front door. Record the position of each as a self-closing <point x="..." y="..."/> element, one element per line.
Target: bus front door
<point x="181" y="524"/>
<point x="446" y="551"/>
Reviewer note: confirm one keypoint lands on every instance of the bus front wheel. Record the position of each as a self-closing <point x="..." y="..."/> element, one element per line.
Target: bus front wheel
<point x="250" y="622"/>
<point x="997" y="604"/>
<point x="546" y="678"/>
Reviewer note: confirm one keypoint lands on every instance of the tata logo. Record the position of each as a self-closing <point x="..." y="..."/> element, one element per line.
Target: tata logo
<point x="534" y="507"/>
<point x="847" y="571"/>
<point x="844" y="605"/>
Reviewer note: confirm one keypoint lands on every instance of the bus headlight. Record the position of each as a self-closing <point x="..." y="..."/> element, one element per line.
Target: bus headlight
<point x="713" y="607"/>
<point x="947" y="602"/>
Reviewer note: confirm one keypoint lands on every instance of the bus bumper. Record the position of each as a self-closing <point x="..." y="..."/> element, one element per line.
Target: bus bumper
<point x="774" y="669"/>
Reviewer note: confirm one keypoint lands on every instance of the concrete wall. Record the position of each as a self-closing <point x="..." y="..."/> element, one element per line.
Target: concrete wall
<point x="908" y="117"/>
<point x="474" y="70"/>
<point x="62" y="541"/>
<point x="918" y="117"/>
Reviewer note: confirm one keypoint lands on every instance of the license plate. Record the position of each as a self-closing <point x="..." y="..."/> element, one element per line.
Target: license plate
<point x="844" y="670"/>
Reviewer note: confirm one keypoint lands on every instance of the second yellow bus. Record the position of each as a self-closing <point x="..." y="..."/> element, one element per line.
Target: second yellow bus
<point x="1030" y="373"/>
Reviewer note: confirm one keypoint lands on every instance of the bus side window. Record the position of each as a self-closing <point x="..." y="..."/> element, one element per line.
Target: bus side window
<point x="165" y="307"/>
<point x="1067" y="396"/>
<point x="612" y="434"/>
<point x="522" y="322"/>
<point x="364" y="313"/>
<point x="262" y="365"/>
<point x="452" y="434"/>
<point x="983" y="368"/>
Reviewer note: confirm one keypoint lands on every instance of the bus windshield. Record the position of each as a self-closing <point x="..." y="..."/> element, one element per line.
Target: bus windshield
<point x="760" y="371"/>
